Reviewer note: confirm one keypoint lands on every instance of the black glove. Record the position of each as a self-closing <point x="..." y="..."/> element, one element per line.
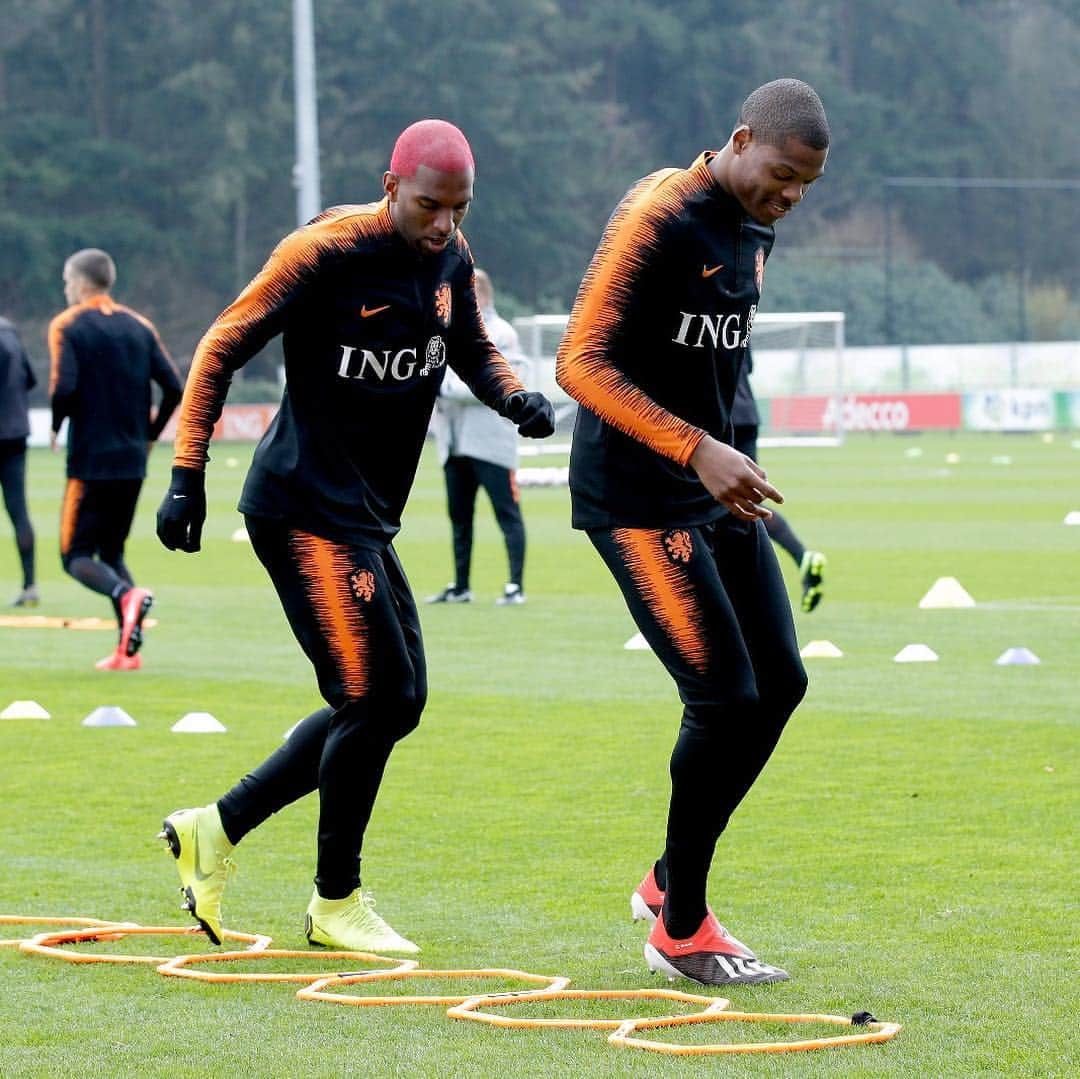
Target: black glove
<point x="531" y="412"/>
<point x="183" y="509"/>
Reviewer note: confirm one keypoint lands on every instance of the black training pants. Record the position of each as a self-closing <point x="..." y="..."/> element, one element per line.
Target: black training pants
<point x="711" y="602"/>
<point x="464" y="477"/>
<point x="13" y="484"/>
<point x="353" y="613"/>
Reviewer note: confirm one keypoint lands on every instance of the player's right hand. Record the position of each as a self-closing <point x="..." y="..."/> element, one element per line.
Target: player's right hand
<point x="531" y="413"/>
<point x="733" y="479"/>
<point x="182" y="511"/>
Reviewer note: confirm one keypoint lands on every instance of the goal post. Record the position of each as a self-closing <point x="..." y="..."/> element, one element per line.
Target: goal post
<point x="798" y="375"/>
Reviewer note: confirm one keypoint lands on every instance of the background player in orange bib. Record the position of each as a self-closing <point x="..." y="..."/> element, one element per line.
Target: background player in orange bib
<point x="372" y="302"/>
<point x="105" y="359"/>
<point x="652" y="352"/>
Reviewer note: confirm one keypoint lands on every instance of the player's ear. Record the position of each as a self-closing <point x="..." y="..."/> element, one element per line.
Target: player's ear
<point x="741" y="138"/>
<point x="390" y="185"/>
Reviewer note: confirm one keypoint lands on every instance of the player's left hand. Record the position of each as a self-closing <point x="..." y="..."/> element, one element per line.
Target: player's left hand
<point x="182" y="511"/>
<point x="733" y="479"/>
<point x="531" y="412"/>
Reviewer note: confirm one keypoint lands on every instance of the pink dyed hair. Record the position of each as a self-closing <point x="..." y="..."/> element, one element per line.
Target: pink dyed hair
<point x="435" y="143"/>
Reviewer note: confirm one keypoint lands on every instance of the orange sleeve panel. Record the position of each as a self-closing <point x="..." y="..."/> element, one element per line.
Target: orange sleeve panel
<point x="55" y="338"/>
<point x="258" y="314"/>
<point x="584" y="366"/>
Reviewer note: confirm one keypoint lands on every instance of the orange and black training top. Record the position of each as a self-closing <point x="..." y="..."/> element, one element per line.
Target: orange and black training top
<point x="652" y="353"/>
<point x="104" y="357"/>
<point x="367" y="328"/>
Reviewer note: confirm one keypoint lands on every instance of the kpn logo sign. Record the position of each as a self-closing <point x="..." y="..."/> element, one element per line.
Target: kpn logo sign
<point x="1009" y="410"/>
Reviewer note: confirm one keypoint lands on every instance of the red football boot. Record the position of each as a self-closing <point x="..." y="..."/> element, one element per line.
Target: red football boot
<point x="119" y="662"/>
<point x="712" y="956"/>
<point x="134" y="604"/>
<point x="647" y="899"/>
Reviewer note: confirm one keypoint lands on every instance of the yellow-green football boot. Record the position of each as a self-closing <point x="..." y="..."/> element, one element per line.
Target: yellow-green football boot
<point x="351" y="925"/>
<point x="202" y="852"/>
<point x="812" y="570"/>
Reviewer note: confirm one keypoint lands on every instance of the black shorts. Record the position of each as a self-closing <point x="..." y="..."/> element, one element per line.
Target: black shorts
<point x="711" y="602"/>
<point x="352" y="611"/>
<point x="96" y="518"/>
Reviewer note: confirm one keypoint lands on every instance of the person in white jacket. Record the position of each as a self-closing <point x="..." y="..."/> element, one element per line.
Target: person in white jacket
<point x="478" y="448"/>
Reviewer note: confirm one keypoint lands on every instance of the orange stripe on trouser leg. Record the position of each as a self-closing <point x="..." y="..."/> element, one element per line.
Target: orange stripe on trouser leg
<point x="69" y="513"/>
<point x="656" y="561"/>
<point x="327" y="568"/>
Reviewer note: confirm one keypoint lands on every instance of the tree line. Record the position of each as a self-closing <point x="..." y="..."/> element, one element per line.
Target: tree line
<point x="162" y="131"/>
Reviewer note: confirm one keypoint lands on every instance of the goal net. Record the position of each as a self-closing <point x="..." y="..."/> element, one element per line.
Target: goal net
<point x="798" y="376"/>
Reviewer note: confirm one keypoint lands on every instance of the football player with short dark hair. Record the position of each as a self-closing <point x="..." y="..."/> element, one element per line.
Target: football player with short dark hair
<point x="652" y="353"/>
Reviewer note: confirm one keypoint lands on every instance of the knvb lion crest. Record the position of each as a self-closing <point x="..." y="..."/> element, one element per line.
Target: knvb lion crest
<point x="363" y="585"/>
<point x="434" y="355"/>
<point x="679" y="545"/>
<point x="442" y="304"/>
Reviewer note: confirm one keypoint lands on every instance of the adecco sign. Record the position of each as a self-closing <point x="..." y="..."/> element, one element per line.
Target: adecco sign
<point x="867" y="412"/>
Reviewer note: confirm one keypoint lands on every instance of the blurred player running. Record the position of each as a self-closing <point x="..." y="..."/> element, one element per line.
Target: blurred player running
<point x="105" y="358"/>
<point x="652" y="352"/>
<point x="372" y="301"/>
<point x="746" y="422"/>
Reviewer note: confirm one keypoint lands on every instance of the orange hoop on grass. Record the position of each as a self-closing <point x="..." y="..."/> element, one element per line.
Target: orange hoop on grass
<point x="875" y="1032"/>
<point x="316" y="991"/>
<point x="179" y="966"/>
<point x="470" y="1009"/>
<point x="49" y="943"/>
<point x="41" y="919"/>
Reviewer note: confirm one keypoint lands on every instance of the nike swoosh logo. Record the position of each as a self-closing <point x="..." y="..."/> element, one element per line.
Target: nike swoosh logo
<point x="199" y="874"/>
<point x="367" y="312"/>
<point x="708" y="271"/>
<point x="176" y="498"/>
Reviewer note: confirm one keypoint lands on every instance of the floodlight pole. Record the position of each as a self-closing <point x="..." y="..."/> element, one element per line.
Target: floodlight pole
<point x="306" y="169"/>
<point x="887" y="307"/>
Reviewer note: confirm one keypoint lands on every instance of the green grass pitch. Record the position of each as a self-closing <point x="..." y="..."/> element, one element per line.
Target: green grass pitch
<point x="910" y="849"/>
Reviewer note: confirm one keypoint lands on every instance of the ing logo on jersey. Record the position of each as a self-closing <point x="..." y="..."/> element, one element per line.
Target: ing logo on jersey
<point x="759" y="268"/>
<point x="678" y="545"/>
<point x="442" y="304"/>
<point x="363" y="585"/>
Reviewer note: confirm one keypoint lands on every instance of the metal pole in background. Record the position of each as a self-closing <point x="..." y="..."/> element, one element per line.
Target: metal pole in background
<point x="306" y="169"/>
<point x="1021" y="269"/>
<point x="886" y="306"/>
